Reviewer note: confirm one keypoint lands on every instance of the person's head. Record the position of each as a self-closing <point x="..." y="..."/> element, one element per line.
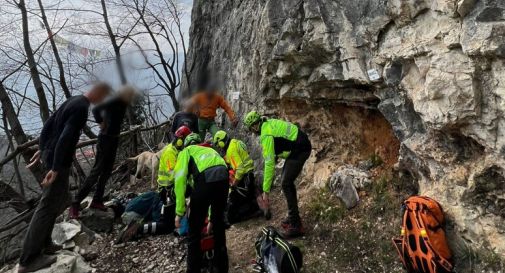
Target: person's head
<point x="98" y="92"/>
<point x="221" y="140"/>
<point x="212" y="87"/>
<point x="252" y="121"/>
<point x="187" y="105"/>
<point x="127" y="93"/>
<point x="180" y="136"/>
<point x="192" y="139"/>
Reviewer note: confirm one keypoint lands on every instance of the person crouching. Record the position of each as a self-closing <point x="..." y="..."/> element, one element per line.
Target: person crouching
<point x="209" y="185"/>
<point x="242" y="204"/>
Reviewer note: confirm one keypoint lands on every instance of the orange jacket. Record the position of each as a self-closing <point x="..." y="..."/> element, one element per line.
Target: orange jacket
<point x="205" y="105"/>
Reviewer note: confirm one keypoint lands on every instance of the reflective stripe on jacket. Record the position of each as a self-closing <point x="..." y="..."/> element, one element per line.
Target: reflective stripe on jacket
<point x="204" y="158"/>
<point x="271" y="130"/>
<point x="238" y="158"/>
<point x="168" y="160"/>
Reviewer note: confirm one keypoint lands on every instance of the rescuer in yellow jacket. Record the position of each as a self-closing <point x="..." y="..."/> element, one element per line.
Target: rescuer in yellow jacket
<point x="242" y="199"/>
<point x="168" y="159"/>
<point x="282" y="139"/>
<point x="209" y="186"/>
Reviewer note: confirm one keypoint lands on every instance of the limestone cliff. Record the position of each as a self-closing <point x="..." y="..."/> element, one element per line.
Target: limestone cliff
<point x="435" y="69"/>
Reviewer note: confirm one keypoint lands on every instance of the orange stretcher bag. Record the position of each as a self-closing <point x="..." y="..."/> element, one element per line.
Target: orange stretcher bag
<point x="422" y="245"/>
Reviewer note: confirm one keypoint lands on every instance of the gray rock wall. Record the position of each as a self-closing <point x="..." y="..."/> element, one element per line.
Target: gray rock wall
<point x="434" y="68"/>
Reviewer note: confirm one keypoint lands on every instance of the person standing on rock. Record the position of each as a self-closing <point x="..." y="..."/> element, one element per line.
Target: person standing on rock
<point x="57" y="144"/>
<point x="205" y="105"/>
<point x="209" y="186"/>
<point x="282" y="139"/>
<point x="110" y="116"/>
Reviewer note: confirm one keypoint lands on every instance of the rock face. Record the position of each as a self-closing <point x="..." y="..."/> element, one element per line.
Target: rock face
<point x="435" y="69"/>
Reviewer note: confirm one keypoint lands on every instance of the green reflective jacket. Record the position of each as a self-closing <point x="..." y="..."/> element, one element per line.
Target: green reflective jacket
<point x="271" y="130"/>
<point x="238" y="158"/>
<point x="204" y="158"/>
<point x="168" y="160"/>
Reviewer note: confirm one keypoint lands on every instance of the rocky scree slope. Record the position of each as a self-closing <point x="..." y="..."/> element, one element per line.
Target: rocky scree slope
<point x="434" y="69"/>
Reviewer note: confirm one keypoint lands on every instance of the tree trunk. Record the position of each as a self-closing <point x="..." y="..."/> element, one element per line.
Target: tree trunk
<point x="120" y="68"/>
<point x="14" y="160"/>
<point x="17" y="131"/>
<point x="57" y="57"/>
<point x="37" y="82"/>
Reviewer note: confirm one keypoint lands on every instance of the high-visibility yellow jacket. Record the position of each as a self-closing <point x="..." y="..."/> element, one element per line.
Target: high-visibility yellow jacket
<point x="277" y="140"/>
<point x="204" y="158"/>
<point x="238" y="158"/>
<point x="168" y="159"/>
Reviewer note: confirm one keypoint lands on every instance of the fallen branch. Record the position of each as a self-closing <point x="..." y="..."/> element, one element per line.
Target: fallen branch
<point x="23" y="147"/>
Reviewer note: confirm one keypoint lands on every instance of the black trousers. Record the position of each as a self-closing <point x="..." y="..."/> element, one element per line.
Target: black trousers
<point x="242" y="203"/>
<point x="292" y="168"/>
<point x="100" y="173"/>
<point x="204" y="195"/>
<point x="52" y="203"/>
<point x="165" y="225"/>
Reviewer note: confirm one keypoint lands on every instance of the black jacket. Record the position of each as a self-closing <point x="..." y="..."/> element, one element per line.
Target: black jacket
<point x="61" y="132"/>
<point x="185" y="118"/>
<point x="111" y="113"/>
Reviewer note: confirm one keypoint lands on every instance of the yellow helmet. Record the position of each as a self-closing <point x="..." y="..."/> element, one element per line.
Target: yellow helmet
<point x="220" y="139"/>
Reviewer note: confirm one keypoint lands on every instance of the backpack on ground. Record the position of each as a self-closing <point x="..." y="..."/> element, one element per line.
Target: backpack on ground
<point x="423" y="245"/>
<point x="275" y="254"/>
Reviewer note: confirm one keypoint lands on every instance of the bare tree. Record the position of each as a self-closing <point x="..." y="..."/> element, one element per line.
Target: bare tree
<point x="15" y="160"/>
<point x="56" y="53"/>
<point x="37" y="82"/>
<point x="17" y="130"/>
<point x="162" y="24"/>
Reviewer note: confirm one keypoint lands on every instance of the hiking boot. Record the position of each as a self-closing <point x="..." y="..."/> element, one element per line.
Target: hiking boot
<point x="293" y="231"/>
<point x="38" y="263"/>
<point x="128" y="232"/>
<point x="52" y="248"/>
<point x="73" y="212"/>
<point x="98" y="205"/>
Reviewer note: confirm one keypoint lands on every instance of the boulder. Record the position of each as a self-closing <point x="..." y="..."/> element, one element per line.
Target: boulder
<point x="345" y="182"/>
<point x="465" y="7"/>
<point x="357" y="177"/>
<point x="63" y="232"/>
<point x="97" y="220"/>
<point x="67" y="262"/>
<point x="344" y="189"/>
<point x="13" y="237"/>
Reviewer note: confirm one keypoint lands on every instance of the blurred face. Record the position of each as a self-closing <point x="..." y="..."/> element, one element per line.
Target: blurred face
<point x="127" y="94"/>
<point x="98" y="93"/>
<point x="210" y="91"/>
<point x="187" y="105"/>
<point x="256" y="128"/>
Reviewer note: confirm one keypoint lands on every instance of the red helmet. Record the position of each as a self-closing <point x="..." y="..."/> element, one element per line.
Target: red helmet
<point x="182" y="132"/>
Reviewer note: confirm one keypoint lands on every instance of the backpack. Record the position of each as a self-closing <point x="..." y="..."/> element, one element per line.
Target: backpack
<point x="275" y="254"/>
<point x="422" y="245"/>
